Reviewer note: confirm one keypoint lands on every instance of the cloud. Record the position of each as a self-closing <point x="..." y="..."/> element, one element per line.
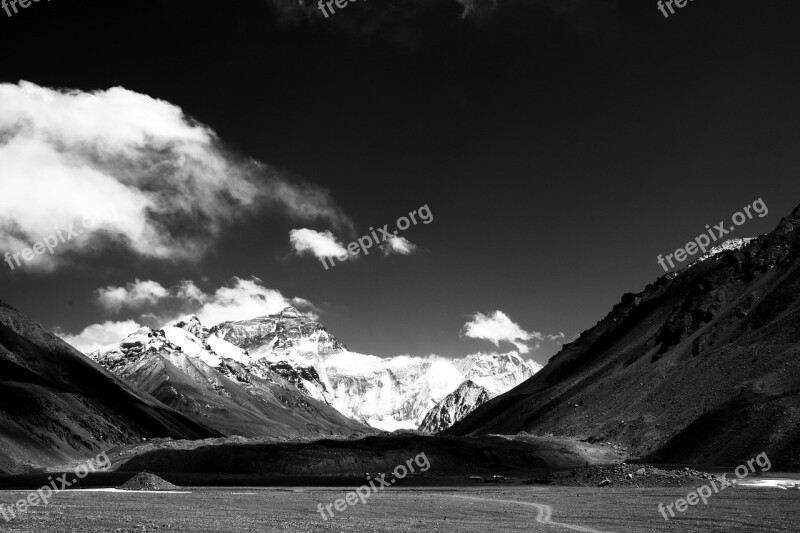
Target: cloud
<point x="318" y="244"/>
<point x="134" y="295"/>
<point x="190" y="292"/>
<point x="245" y="299"/>
<point x="240" y="299"/>
<point x="498" y="327"/>
<point x="171" y="185"/>
<point x="98" y="335"/>
<point x="398" y="245"/>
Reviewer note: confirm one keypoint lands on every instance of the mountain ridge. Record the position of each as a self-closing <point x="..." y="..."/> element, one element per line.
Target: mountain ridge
<point x="688" y="370"/>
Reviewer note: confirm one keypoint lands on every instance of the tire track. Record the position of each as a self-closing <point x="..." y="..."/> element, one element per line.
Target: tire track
<point x="543" y="517"/>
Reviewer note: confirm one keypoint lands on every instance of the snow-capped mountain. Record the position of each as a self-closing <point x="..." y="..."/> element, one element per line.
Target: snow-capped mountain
<point x="398" y="392"/>
<point x="387" y="393"/>
<point x="288" y="335"/>
<point x="293" y="352"/>
<point x="486" y="376"/>
<point x="455" y="406"/>
<point x="213" y="381"/>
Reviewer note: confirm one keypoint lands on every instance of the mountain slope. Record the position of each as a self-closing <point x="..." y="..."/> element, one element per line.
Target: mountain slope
<point x="57" y="406"/>
<point x="454" y="407"/>
<point x="702" y="366"/>
<point x="212" y="381"/>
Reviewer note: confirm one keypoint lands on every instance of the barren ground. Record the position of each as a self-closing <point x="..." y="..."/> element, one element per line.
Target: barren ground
<point x="469" y="509"/>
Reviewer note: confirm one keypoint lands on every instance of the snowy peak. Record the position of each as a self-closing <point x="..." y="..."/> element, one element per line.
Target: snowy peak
<point x="398" y="392"/>
<point x="193" y="325"/>
<point x="455" y="406"/>
<point x="387" y="393"/>
<point x="497" y="373"/>
<point x="170" y="341"/>
<point x="286" y="333"/>
<point x="290" y="312"/>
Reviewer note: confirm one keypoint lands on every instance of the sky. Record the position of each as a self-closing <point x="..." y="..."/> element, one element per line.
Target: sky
<point x="550" y="151"/>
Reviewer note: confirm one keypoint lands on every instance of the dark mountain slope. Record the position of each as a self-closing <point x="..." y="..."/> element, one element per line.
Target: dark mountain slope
<point x="56" y="406"/>
<point x="702" y="366"/>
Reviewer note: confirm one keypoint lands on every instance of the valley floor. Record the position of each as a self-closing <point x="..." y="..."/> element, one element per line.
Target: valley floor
<point x="467" y="509"/>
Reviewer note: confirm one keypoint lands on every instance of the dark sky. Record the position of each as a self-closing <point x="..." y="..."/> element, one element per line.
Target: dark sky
<point x="561" y="146"/>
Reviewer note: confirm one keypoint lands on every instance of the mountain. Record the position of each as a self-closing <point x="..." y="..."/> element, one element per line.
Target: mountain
<point x="288" y="343"/>
<point x="486" y="376"/>
<point x="397" y="393"/>
<point x="57" y="406"/>
<point x="240" y="377"/>
<point x="701" y="366"/>
<point x="225" y="387"/>
<point x="454" y="407"/>
<point x="386" y="393"/>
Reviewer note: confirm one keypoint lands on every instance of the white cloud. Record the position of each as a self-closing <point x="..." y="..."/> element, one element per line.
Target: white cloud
<point x="319" y="244"/>
<point x="244" y="299"/>
<point x="187" y="290"/>
<point x="241" y="299"/>
<point x="66" y="155"/>
<point x="398" y="245"/>
<point x="99" y="335"/>
<point x="134" y="295"/>
<point x="498" y="327"/>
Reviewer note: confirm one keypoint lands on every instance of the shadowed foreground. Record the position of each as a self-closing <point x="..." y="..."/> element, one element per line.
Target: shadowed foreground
<point x="396" y="509"/>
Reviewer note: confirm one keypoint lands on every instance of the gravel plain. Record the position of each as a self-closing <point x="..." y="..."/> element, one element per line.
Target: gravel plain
<point x="478" y="509"/>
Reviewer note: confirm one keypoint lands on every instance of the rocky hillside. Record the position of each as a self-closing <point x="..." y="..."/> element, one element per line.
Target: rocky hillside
<point x="57" y="406"/>
<point x="703" y="366"/>
<point x="455" y="406"/>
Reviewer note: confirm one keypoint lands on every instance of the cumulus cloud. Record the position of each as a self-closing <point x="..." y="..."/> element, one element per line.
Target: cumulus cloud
<point x="398" y="245"/>
<point x="133" y="295"/>
<point x="497" y="327"/>
<point x="99" y="335"/>
<point x="319" y="244"/>
<point x="240" y="299"/>
<point x="172" y="186"/>
<point x="244" y="299"/>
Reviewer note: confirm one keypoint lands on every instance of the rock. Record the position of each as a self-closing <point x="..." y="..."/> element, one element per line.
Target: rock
<point x="641" y="472"/>
<point x="145" y="481"/>
<point x="604" y="483"/>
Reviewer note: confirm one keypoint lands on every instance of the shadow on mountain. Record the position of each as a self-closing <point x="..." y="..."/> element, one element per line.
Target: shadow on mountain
<point x="57" y="406"/>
